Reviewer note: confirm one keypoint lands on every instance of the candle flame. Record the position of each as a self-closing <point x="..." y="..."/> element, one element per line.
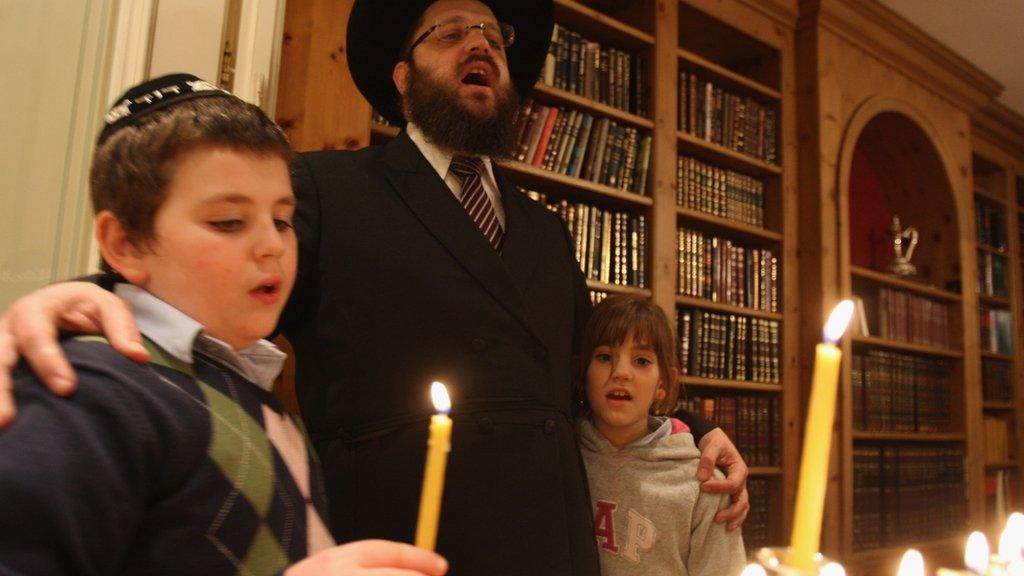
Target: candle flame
<point x="753" y="570"/>
<point x="838" y="320"/>
<point x="832" y="569"/>
<point x="439" y="394"/>
<point x="1012" y="538"/>
<point x="976" y="554"/>
<point x="912" y="564"/>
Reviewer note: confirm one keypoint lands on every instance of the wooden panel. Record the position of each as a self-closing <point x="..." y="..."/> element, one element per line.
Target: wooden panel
<point x="318" y="104"/>
<point x="664" y="244"/>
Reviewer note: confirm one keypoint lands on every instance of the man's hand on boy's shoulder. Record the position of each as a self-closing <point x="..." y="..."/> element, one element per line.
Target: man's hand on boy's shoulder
<point x="378" y="557"/>
<point x="718" y="451"/>
<point x="29" y="329"/>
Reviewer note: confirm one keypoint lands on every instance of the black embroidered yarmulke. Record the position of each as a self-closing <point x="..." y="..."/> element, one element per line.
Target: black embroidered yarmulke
<point x="153" y="95"/>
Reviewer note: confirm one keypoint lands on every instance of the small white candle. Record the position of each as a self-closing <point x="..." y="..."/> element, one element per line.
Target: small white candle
<point x="912" y="564"/>
<point x="1012" y="538"/>
<point x="976" y="554"/>
<point x="753" y="570"/>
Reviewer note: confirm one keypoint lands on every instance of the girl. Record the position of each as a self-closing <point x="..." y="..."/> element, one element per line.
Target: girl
<point x="650" y="516"/>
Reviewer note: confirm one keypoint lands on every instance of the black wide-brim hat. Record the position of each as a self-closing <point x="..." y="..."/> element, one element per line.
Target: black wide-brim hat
<point x="377" y="29"/>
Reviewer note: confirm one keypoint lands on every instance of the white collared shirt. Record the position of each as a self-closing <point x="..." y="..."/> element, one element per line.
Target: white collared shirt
<point x="179" y="335"/>
<point x="442" y="160"/>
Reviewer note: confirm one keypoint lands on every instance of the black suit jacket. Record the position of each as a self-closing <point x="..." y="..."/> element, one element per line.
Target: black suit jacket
<point x="397" y="288"/>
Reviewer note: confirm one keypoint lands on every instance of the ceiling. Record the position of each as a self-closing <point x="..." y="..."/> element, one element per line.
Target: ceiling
<point x="988" y="33"/>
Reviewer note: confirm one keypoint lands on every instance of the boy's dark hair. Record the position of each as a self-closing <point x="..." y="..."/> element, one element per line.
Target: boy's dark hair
<point x="611" y="323"/>
<point x="135" y="158"/>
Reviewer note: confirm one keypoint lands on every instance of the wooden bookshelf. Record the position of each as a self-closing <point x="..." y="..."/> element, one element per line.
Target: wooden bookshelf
<point x="885" y="279"/>
<point x="909" y="436"/>
<point x="618" y="289"/>
<point x="724" y="156"/>
<point x="726" y="74"/>
<point x="556" y="96"/>
<point x="724" y="384"/>
<point x="629" y="28"/>
<point x="997" y="202"/>
<point x="533" y="177"/>
<point x="901" y="346"/>
<point x="723" y="226"/>
<point x="747" y="52"/>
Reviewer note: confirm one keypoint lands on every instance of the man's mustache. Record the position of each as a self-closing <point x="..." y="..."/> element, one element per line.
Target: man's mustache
<point x="483" y="59"/>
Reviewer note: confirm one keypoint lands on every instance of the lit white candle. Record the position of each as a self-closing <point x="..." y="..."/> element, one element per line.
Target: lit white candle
<point x="1012" y="538"/>
<point x="912" y="564"/>
<point x="753" y="570"/>
<point x="976" y="554"/>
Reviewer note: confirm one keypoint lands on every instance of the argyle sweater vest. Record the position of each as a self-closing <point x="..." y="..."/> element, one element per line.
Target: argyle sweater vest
<point x="162" y="468"/>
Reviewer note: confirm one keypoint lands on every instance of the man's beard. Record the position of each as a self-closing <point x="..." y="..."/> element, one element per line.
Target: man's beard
<point x="448" y="123"/>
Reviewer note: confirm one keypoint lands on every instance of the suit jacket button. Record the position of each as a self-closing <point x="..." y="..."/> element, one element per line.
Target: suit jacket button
<point x="540" y="353"/>
<point x="549" y="426"/>
<point x="479" y="344"/>
<point x="486" y="425"/>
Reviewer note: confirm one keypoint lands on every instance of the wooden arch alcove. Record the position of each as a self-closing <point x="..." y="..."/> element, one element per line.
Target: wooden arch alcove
<point x="915" y="172"/>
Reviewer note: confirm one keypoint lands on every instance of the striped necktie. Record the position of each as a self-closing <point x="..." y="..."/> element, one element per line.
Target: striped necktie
<point x="478" y="205"/>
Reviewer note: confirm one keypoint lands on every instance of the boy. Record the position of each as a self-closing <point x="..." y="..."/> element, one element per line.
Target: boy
<point x="187" y="464"/>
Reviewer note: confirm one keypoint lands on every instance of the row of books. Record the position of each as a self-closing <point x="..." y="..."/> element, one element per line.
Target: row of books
<point x="736" y="122"/>
<point x="610" y="246"/>
<point x="991" y="274"/>
<point x="996" y="380"/>
<point x="720" y="270"/>
<point x="585" y="67"/>
<point x="990" y="224"/>
<point x="896" y="392"/>
<point x="597" y="296"/>
<point x="728" y="346"/>
<point x="752" y="422"/>
<point x="911" y="318"/>
<point x="756" y="528"/>
<point x="576" y="143"/>
<point x="719" y="191"/>
<point x="996" y="329"/>
<point x="906" y="493"/>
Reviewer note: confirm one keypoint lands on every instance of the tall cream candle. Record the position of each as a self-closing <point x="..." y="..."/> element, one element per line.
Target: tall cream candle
<point x="810" y="499"/>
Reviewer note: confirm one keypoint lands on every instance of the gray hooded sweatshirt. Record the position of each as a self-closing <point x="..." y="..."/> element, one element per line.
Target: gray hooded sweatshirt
<point x="650" y="516"/>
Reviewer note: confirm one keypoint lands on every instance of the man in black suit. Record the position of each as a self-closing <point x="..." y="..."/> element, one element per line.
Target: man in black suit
<point x="420" y="261"/>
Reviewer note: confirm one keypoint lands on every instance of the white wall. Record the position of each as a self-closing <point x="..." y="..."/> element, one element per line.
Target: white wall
<point x="188" y="38"/>
<point x="53" y="56"/>
<point x="63" y="62"/>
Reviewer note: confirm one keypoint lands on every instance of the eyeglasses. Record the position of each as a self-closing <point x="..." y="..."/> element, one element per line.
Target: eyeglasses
<point x="499" y="35"/>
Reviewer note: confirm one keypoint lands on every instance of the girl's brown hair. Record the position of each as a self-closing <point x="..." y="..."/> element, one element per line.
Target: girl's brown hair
<point x="612" y="322"/>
